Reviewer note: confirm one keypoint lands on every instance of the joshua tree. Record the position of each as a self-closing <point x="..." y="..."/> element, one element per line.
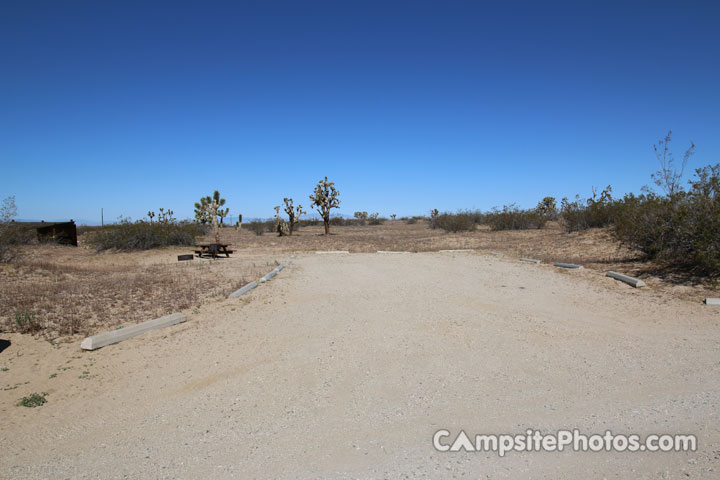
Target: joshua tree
<point x="201" y="210"/>
<point x="222" y="214"/>
<point x="151" y="214"/>
<point x="165" y="216"/>
<point x="393" y="215"/>
<point x="238" y="225"/>
<point x="548" y="207"/>
<point x="281" y="226"/>
<point x="209" y="208"/>
<point x="324" y="198"/>
<point x="433" y="217"/>
<point x="361" y="217"/>
<point x="292" y="213"/>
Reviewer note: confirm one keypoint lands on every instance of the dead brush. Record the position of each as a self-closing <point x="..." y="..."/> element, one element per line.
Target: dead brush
<point x="54" y="299"/>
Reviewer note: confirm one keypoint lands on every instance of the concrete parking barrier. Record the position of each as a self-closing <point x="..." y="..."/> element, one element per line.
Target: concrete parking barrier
<point x="108" y="338"/>
<point x="243" y="290"/>
<point x="268" y="276"/>
<point x="529" y="260"/>
<point x="568" y="265"/>
<point x="637" y="283"/>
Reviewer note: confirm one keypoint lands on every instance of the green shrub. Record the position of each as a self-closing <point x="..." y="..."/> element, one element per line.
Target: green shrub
<point x="310" y="222"/>
<point x="453" y="222"/>
<point x="260" y="226"/>
<point x="339" y="221"/>
<point x="682" y="228"/>
<point x="375" y="219"/>
<point x="595" y="212"/>
<point x="142" y="235"/>
<point x="513" y="218"/>
<point x="25" y="321"/>
<point x="33" y="400"/>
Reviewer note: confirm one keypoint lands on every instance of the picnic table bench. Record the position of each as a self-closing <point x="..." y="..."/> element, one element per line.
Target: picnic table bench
<point x="212" y="249"/>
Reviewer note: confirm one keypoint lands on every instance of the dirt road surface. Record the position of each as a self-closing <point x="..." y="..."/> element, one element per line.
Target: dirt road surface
<point x="345" y="366"/>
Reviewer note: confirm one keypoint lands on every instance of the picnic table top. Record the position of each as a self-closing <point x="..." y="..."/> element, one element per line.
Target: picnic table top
<point x="211" y="244"/>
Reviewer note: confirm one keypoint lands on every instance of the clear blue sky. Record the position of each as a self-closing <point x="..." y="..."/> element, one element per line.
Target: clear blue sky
<point x="407" y="106"/>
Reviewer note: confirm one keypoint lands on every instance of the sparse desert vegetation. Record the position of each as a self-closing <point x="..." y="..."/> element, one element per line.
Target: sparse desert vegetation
<point x="58" y="291"/>
<point x="672" y="235"/>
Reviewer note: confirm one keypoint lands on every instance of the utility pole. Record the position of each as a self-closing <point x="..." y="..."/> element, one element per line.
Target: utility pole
<point x="102" y="217"/>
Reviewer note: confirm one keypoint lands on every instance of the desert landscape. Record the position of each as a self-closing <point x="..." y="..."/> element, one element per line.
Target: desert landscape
<point x="359" y="240"/>
<point x="344" y="365"/>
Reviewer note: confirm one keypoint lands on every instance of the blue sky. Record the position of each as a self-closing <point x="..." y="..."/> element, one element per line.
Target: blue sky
<point x="407" y="106"/>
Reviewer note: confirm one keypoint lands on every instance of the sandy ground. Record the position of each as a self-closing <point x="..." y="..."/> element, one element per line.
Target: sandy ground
<point x="345" y="366"/>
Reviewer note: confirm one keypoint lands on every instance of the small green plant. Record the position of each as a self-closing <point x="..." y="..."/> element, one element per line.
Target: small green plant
<point x="25" y="321"/>
<point x="4" y="369"/>
<point x="33" y="400"/>
<point x="53" y="375"/>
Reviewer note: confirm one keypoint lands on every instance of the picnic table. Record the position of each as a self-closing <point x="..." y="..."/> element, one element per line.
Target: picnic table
<point x="212" y="249"/>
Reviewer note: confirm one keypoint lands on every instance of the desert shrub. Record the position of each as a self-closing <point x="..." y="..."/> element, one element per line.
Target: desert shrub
<point x="411" y="221"/>
<point x="360" y="217"/>
<point x="310" y="222"/>
<point x="83" y="229"/>
<point x="18" y="234"/>
<point x="478" y="216"/>
<point x="375" y="219"/>
<point x="339" y="222"/>
<point x="682" y="228"/>
<point x="258" y="226"/>
<point x="33" y="400"/>
<point x="595" y="212"/>
<point x="25" y="321"/>
<point x="8" y="230"/>
<point x="511" y="217"/>
<point x="142" y="235"/>
<point x="453" y="222"/>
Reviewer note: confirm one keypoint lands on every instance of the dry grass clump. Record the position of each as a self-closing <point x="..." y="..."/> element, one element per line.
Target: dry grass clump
<point x="65" y="297"/>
